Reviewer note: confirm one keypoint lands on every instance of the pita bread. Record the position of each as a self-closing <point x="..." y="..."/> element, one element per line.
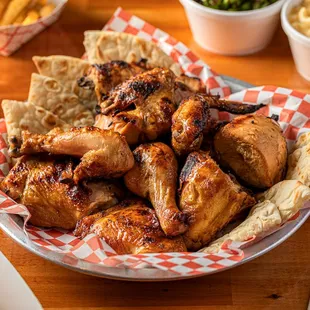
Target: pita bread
<point x="303" y="140"/>
<point x="67" y="70"/>
<point x="51" y="95"/>
<point x="264" y="218"/>
<point x="104" y="46"/>
<point x="289" y="196"/>
<point x="299" y="165"/>
<point x="278" y="204"/>
<point x="21" y="116"/>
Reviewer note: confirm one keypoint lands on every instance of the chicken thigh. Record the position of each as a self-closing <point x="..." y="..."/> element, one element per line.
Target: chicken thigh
<point x="154" y="176"/>
<point x="103" y="153"/>
<point x="209" y="198"/>
<point x="130" y="228"/>
<point x="46" y="188"/>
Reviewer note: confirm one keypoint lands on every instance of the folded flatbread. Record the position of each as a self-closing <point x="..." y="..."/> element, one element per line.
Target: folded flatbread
<point x="104" y="46"/>
<point x="67" y="70"/>
<point x="298" y="164"/>
<point x="53" y="96"/>
<point x="276" y="206"/>
<point x="302" y="140"/>
<point x="21" y="116"/>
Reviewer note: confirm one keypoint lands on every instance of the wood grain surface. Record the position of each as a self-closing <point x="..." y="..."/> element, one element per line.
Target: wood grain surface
<point x="278" y="280"/>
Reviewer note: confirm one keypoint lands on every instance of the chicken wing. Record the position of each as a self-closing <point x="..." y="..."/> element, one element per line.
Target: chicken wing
<point x="192" y="120"/>
<point x="130" y="228"/>
<point x="254" y="148"/>
<point x="46" y="188"/>
<point x="209" y="198"/>
<point x="103" y="153"/>
<point x="154" y="176"/>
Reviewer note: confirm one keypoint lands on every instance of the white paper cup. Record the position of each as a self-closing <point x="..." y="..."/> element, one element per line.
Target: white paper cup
<point x="300" y="44"/>
<point x="232" y="33"/>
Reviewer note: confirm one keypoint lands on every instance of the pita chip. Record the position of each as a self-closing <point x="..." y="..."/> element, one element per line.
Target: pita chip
<point x="104" y="46"/>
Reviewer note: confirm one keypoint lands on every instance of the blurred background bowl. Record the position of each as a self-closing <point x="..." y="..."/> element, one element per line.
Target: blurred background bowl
<point x="232" y="33"/>
<point x="300" y="44"/>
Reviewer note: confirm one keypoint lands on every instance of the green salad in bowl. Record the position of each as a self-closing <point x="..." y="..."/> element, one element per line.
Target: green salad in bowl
<point x="236" y="5"/>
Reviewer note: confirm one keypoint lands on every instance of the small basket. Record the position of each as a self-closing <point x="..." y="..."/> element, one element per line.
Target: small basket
<point x="12" y="37"/>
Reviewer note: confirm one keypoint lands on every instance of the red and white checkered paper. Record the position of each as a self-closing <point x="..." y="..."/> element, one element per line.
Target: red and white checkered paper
<point x="292" y="107"/>
<point x="12" y="37"/>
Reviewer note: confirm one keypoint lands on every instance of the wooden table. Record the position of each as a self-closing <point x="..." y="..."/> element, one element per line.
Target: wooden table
<point x="278" y="280"/>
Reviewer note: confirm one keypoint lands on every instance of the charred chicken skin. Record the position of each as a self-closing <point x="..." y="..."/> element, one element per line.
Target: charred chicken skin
<point x="154" y="176"/>
<point x="192" y="120"/>
<point x="105" y="77"/>
<point x="209" y="198"/>
<point x="141" y="108"/>
<point x="103" y="153"/>
<point x="130" y="228"/>
<point x="254" y="148"/>
<point x="46" y="188"/>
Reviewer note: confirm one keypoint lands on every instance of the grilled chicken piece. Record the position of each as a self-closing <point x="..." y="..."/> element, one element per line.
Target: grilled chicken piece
<point x="209" y="198"/>
<point x="44" y="185"/>
<point x="142" y="107"/>
<point x="254" y="148"/>
<point x="144" y="104"/>
<point x="192" y="120"/>
<point x="103" y="153"/>
<point x="154" y="176"/>
<point x="130" y="228"/>
<point x="105" y="77"/>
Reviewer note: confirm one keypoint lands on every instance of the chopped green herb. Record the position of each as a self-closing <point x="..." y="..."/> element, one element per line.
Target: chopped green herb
<point x="236" y="5"/>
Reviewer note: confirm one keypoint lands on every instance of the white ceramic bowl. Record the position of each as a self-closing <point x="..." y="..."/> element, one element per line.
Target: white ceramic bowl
<point x="232" y="33"/>
<point x="300" y="44"/>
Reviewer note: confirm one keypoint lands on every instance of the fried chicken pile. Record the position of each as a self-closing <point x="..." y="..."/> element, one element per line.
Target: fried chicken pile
<point x="142" y="177"/>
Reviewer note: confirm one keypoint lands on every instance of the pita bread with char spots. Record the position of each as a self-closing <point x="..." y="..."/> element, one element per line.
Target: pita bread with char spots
<point x="104" y="46"/>
<point x="53" y="96"/>
<point x="21" y="116"/>
<point x="67" y="70"/>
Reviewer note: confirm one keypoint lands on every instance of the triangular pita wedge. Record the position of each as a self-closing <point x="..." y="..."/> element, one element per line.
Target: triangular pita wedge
<point x="21" y="116"/>
<point x="277" y="206"/>
<point x="104" y="46"/>
<point x="53" y="96"/>
<point x="67" y="70"/>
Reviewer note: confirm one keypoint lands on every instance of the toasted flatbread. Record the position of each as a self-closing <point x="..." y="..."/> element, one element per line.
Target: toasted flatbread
<point x="67" y="70"/>
<point x="104" y="46"/>
<point x="21" y="116"/>
<point x="299" y="165"/>
<point x="277" y="205"/>
<point x="51" y="95"/>
<point x="289" y="196"/>
<point x="302" y="140"/>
